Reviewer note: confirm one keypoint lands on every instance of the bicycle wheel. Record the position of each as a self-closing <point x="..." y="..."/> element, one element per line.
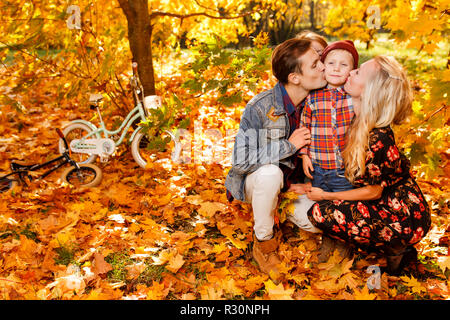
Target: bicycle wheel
<point x="141" y="153"/>
<point x="77" y="131"/>
<point x="7" y="184"/>
<point x="89" y="175"/>
<point x="139" y="149"/>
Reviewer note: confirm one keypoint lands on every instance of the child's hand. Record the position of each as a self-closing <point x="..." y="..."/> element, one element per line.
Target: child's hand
<point x="307" y="166"/>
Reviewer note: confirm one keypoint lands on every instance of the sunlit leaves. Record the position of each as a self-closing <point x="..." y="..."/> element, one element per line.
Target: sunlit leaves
<point x="229" y="72"/>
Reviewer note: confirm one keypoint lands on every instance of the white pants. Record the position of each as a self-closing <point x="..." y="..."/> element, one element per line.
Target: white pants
<point x="262" y="188"/>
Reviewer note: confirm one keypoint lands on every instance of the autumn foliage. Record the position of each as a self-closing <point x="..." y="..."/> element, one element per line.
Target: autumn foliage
<point x="168" y="231"/>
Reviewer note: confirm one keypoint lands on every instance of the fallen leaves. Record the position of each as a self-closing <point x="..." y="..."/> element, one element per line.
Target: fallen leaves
<point x="209" y="209"/>
<point x="444" y="263"/>
<point x="175" y="263"/>
<point x="413" y="284"/>
<point x="278" y="292"/>
<point x="101" y="267"/>
<point x="169" y="232"/>
<point x="118" y="251"/>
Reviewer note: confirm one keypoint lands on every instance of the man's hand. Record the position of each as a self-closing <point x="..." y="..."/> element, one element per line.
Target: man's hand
<point x="316" y="194"/>
<point x="300" y="188"/>
<point x="307" y="166"/>
<point x="300" y="137"/>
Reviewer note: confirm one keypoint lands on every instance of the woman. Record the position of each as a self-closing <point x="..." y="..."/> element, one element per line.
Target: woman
<point x="318" y="42"/>
<point x="387" y="210"/>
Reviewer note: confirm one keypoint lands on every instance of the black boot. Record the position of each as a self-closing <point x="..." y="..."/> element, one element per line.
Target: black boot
<point x="328" y="247"/>
<point x="398" y="259"/>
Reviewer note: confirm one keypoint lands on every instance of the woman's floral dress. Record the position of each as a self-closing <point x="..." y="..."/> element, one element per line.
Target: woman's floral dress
<point x="400" y="217"/>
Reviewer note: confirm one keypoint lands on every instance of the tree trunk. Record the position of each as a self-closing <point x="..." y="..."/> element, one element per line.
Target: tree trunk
<point x="140" y="39"/>
<point x="312" y="19"/>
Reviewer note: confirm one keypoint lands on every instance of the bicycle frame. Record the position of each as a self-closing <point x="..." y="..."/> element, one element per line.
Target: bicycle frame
<point x="24" y="169"/>
<point x="133" y="115"/>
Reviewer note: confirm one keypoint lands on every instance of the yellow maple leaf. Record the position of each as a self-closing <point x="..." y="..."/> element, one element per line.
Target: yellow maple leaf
<point x="175" y="263"/>
<point x="157" y="291"/>
<point x="278" y="292"/>
<point x="416" y="286"/>
<point x="162" y="201"/>
<point x="209" y="209"/>
<point x="228" y="231"/>
<point x="328" y="286"/>
<point x="364" y="294"/>
<point x="163" y="257"/>
<point x="348" y="280"/>
<point x="252" y="284"/>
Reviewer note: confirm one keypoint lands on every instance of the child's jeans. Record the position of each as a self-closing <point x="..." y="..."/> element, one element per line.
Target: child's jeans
<point x="330" y="180"/>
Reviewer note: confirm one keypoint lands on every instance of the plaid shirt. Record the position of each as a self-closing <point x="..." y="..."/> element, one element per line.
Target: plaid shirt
<point x="328" y="114"/>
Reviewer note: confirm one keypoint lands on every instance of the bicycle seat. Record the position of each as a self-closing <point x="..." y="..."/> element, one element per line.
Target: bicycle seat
<point x="95" y="97"/>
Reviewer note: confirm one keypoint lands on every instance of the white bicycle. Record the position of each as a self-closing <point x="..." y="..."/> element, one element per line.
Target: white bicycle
<point x="87" y="142"/>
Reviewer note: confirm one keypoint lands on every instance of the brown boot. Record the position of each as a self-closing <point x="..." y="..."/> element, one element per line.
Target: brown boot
<point x="328" y="247"/>
<point x="266" y="256"/>
<point x="288" y="231"/>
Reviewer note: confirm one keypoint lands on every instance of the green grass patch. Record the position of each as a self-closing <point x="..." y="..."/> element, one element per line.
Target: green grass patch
<point x="26" y="231"/>
<point x="66" y="254"/>
<point x="118" y="262"/>
<point x="151" y="273"/>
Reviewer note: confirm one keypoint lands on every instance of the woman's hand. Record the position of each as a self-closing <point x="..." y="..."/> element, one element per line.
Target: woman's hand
<point x="316" y="194"/>
<point x="300" y="188"/>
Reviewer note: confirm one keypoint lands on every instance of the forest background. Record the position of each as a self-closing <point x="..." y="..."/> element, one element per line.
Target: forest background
<point x="167" y="231"/>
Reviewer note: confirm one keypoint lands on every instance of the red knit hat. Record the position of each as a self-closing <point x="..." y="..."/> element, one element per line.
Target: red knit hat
<point x="344" y="45"/>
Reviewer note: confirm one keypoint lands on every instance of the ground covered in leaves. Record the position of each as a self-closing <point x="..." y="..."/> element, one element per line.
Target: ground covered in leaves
<point x="168" y="232"/>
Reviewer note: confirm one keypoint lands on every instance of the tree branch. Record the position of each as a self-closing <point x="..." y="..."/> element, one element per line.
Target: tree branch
<point x="444" y="106"/>
<point x="204" y="14"/>
<point x="205" y="7"/>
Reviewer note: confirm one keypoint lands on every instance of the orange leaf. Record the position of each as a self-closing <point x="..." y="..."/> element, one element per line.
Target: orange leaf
<point x="278" y="292"/>
<point x="364" y="294"/>
<point x="175" y="263"/>
<point x="101" y="267"/>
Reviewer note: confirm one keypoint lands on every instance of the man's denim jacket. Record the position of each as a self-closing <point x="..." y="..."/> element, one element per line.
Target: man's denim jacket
<point x="262" y="139"/>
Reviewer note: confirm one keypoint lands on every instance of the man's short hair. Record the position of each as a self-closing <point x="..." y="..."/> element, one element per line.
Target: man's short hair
<point x="285" y="58"/>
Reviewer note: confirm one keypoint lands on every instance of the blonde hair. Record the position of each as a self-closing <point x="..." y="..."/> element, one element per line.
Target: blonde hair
<point x="386" y="99"/>
<point x="312" y="36"/>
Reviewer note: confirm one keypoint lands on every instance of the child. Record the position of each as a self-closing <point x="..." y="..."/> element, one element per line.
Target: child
<point x="328" y="113"/>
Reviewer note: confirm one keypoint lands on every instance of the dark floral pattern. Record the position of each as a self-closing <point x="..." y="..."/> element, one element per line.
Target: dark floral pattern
<point x="400" y="217"/>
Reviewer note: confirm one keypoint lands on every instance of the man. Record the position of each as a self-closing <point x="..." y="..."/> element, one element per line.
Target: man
<point x="265" y="154"/>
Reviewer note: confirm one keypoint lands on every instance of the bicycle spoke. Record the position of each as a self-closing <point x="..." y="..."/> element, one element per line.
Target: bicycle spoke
<point x="76" y="131"/>
<point x="81" y="177"/>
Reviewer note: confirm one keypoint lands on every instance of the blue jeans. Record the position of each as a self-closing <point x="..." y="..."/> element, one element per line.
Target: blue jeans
<point x="330" y="180"/>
